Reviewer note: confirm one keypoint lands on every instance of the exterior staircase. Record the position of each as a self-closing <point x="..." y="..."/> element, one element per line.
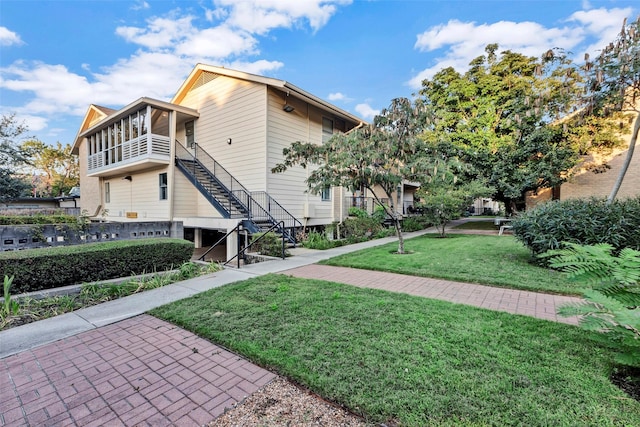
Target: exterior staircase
<point x="258" y="210"/>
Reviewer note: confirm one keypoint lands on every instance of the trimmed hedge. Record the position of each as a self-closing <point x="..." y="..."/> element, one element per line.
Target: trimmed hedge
<point x="38" y="219"/>
<point x="580" y="221"/>
<point x="46" y="268"/>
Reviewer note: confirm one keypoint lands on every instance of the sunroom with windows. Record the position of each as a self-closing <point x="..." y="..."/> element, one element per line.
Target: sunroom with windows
<point x="136" y="137"/>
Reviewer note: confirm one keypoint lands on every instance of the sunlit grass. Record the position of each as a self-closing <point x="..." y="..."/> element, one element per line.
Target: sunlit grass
<point x="405" y="360"/>
<point x="491" y="260"/>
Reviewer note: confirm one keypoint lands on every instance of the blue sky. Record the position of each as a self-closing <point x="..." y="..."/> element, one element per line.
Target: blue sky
<point x="57" y="57"/>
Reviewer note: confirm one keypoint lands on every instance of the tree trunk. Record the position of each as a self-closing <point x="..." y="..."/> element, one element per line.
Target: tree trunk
<point x="391" y="211"/>
<point x="398" y="226"/>
<point x="627" y="161"/>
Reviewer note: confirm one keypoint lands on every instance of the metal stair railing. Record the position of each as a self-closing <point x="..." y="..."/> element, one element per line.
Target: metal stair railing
<point x="237" y="196"/>
<point x="225" y="182"/>
<point x="279" y="213"/>
<point x="243" y="250"/>
<point x="222" y="239"/>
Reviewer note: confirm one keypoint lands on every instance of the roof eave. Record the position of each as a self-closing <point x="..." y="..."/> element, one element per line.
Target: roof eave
<point x="134" y="106"/>
<point x="276" y="83"/>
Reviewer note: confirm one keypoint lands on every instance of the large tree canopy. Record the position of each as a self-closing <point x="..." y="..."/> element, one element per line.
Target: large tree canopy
<point x="380" y="156"/>
<point x="56" y="168"/>
<point x="503" y="117"/>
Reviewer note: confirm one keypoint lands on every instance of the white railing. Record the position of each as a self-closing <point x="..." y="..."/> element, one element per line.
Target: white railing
<point x="160" y="145"/>
<point x="144" y="147"/>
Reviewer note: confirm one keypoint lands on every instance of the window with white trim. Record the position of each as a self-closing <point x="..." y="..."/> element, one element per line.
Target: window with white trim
<point x="325" y="194"/>
<point x="164" y="190"/>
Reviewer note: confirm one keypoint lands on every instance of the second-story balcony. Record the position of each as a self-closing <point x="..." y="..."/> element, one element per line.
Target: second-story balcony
<point x="135" y="138"/>
<point x="146" y="150"/>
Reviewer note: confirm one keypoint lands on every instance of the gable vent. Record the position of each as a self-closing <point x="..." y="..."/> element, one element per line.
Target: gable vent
<point x="204" y="78"/>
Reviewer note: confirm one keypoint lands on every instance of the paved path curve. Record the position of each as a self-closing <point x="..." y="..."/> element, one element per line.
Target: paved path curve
<point x="543" y="306"/>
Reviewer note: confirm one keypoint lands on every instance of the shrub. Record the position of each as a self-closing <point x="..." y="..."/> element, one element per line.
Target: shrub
<point x="580" y="221"/>
<point x="415" y="223"/>
<point x="37" y="218"/>
<point x="46" y="268"/>
<point x="360" y="229"/>
<point x="385" y="232"/>
<point x="441" y="207"/>
<point x="315" y="240"/>
<point x="380" y="213"/>
<point x="269" y="245"/>
<point x="358" y="212"/>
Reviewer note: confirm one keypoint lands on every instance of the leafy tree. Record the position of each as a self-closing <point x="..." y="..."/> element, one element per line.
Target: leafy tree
<point x="502" y="117"/>
<point x="442" y="203"/>
<point x="377" y="157"/>
<point x="55" y="165"/>
<point x="12" y="185"/>
<point x="613" y="84"/>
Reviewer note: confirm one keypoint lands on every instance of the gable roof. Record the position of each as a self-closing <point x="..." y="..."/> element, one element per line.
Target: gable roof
<point x="200" y="69"/>
<point x="94" y="114"/>
<point x="97" y="116"/>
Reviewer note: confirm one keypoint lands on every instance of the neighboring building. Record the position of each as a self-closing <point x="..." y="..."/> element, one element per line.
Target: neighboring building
<point x="205" y="157"/>
<point x="484" y="206"/>
<point x="588" y="183"/>
<point x="30" y="205"/>
<point x="595" y="177"/>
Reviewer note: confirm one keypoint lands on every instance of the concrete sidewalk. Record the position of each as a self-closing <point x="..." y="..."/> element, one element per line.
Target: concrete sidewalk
<point x="113" y="365"/>
<point x="49" y="330"/>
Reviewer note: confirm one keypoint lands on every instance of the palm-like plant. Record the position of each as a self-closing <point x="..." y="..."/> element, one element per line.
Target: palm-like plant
<point x="612" y="306"/>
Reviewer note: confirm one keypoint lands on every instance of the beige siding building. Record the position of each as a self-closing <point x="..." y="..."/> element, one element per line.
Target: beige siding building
<point x="589" y="181"/>
<point x="205" y="157"/>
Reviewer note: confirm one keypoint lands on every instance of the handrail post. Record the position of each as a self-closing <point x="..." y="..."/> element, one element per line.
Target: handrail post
<point x="283" y="254"/>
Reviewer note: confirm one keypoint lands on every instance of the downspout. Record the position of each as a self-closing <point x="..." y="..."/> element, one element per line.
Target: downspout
<point x="361" y="124"/>
<point x="306" y="219"/>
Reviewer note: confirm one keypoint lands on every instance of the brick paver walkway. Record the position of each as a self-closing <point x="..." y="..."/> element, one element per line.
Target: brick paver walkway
<point x="146" y="372"/>
<point x="138" y="372"/>
<point x="543" y="306"/>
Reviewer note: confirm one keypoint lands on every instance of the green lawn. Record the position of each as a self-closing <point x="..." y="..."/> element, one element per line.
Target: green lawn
<point x="491" y="260"/>
<point x="487" y="225"/>
<point x="411" y="361"/>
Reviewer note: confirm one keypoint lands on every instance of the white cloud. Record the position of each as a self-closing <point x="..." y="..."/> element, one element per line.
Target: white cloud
<point x="217" y="42"/>
<point x="9" y="38"/>
<point x="463" y="41"/>
<point x="262" y="16"/>
<point x="33" y="123"/>
<point x="338" y="96"/>
<point x="366" y="111"/>
<point x="258" y="67"/>
<point x="602" y="24"/>
<point x="140" y="5"/>
<point x="168" y="47"/>
<point x="159" y="32"/>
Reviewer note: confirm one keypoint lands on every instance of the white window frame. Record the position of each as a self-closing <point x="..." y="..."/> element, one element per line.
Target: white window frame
<point x="163" y="185"/>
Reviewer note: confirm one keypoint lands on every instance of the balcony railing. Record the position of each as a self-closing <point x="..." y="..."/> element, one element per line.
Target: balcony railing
<point x="368" y="204"/>
<point x="145" y="147"/>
